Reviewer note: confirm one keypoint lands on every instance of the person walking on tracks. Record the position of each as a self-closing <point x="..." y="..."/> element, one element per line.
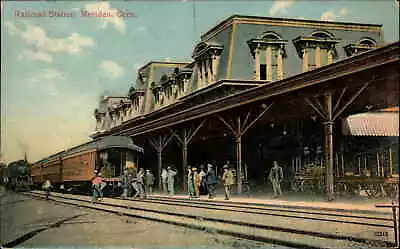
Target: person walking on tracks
<point x="96" y="187"/>
<point x="211" y="181"/>
<point x="171" y="175"/>
<point x="227" y="178"/>
<point x="276" y="177"/>
<point x="149" y="181"/>
<point x="46" y="187"/>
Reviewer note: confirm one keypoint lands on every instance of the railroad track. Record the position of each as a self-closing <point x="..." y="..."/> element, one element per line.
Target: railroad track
<point x="169" y="211"/>
<point x="264" y="209"/>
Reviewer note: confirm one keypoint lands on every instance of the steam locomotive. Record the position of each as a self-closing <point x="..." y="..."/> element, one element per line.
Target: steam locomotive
<point x="16" y="176"/>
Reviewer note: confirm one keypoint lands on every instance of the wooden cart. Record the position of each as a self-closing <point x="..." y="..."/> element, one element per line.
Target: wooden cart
<point x="373" y="186"/>
<point x="309" y="178"/>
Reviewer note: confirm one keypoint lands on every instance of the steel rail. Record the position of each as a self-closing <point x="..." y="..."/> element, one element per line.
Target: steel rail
<point x="267" y="206"/>
<point x="214" y="206"/>
<point x="240" y="223"/>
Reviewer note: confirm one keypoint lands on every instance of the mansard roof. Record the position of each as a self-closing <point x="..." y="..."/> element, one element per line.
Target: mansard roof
<point x="288" y="22"/>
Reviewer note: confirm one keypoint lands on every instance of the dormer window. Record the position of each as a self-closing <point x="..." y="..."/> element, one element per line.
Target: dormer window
<point x="157" y="92"/>
<point x="136" y="97"/>
<point x="365" y="44"/>
<point x="268" y="52"/>
<point x="207" y="57"/>
<point x="183" y="80"/>
<point x="316" y="50"/>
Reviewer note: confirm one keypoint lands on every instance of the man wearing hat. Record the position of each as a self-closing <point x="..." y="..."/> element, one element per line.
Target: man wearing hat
<point x="171" y="174"/>
<point x="211" y="181"/>
<point x="276" y="177"/>
<point x="227" y="178"/>
<point x="190" y="182"/>
<point x="140" y="180"/>
<point x="149" y="181"/>
<point x="164" y="180"/>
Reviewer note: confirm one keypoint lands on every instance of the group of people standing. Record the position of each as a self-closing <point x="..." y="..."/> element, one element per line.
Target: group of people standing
<point x="168" y="180"/>
<point x="198" y="182"/>
<point x="142" y="183"/>
<point x="203" y="182"/>
<point x="206" y="181"/>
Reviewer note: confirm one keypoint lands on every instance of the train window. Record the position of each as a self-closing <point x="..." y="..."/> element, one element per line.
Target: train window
<point x="111" y="165"/>
<point x="131" y="161"/>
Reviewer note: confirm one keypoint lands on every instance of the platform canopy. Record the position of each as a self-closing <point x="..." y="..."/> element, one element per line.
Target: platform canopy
<point x="384" y="123"/>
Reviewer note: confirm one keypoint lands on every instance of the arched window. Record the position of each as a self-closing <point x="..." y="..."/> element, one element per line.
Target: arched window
<point x="322" y="34"/>
<point x="271" y="36"/>
<point x="363" y="45"/>
<point x="367" y="42"/>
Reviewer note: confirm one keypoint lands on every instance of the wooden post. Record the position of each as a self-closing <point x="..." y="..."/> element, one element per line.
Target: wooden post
<point x="359" y="165"/>
<point x="238" y="131"/>
<point x="293" y="166"/>
<point x="390" y="161"/>
<point x="184" y="164"/>
<point x="337" y="164"/>
<point x="365" y="162"/>
<point x="184" y="141"/>
<point x="383" y="165"/>
<point x="329" y="115"/>
<point x="159" y="168"/>
<point x="377" y="163"/>
<point x="329" y="148"/>
<point x="239" y="163"/>
<point x="159" y="145"/>
<point x="342" y="164"/>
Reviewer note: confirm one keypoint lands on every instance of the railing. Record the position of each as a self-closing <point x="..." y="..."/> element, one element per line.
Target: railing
<point x="395" y="208"/>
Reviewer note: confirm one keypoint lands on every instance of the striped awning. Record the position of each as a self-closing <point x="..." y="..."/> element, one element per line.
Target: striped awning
<point x="384" y="124"/>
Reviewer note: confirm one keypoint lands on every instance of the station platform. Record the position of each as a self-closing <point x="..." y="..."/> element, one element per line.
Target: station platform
<point x="298" y="201"/>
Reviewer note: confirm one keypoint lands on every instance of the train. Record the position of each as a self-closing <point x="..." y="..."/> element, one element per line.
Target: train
<point x="16" y="175"/>
<point x="71" y="170"/>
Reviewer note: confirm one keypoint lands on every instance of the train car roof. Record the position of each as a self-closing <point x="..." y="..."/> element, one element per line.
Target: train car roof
<point x="99" y="144"/>
<point x="118" y="142"/>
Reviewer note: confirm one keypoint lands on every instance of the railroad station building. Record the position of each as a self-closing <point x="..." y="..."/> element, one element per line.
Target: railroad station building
<point x="260" y="89"/>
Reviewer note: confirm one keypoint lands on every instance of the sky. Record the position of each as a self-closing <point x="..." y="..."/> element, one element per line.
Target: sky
<point x="54" y="69"/>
